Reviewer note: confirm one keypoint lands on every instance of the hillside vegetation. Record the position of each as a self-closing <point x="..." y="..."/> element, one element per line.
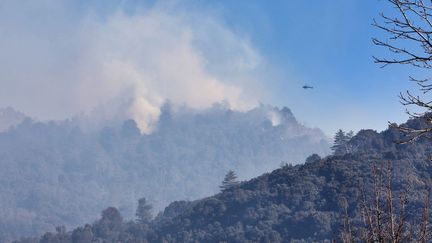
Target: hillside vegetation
<point x="299" y="203"/>
<point x="56" y="173"/>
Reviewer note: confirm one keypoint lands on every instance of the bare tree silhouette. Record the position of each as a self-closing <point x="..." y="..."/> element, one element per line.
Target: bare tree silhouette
<point x="384" y="214"/>
<point x="409" y="39"/>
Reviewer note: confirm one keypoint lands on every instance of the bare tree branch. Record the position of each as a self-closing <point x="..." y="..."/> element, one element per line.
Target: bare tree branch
<point x="383" y="219"/>
<point x="409" y="39"/>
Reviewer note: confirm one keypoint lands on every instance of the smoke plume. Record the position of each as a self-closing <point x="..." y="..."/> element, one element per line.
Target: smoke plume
<point x="59" y="60"/>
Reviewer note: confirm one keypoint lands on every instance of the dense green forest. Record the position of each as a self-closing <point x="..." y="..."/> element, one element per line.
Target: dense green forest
<point x="57" y="173"/>
<point x="295" y="203"/>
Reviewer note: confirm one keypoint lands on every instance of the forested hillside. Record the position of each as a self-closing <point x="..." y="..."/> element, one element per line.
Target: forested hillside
<point x="301" y="203"/>
<point x="56" y="173"/>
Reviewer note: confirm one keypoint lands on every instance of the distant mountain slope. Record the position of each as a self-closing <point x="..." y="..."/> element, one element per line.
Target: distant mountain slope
<point x="303" y="203"/>
<point x="57" y="174"/>
<point x="299" y="203"/>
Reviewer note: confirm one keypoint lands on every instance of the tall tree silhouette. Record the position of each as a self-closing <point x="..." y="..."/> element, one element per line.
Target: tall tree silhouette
<point x="229" y="181"/>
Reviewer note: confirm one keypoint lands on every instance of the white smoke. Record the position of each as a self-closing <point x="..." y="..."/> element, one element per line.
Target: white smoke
<point x="56" y="67"/>
<point x="275" y="118"/>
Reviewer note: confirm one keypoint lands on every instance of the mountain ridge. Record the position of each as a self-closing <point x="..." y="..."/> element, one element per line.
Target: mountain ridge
<point x="55" y="173"/>
<point x="300" y="203"/>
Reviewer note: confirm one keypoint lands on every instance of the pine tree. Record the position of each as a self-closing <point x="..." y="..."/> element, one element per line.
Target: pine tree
<point x="143" y="211"/>
<point x="340" y="144"/>
<point x="229" y="181"/>
<point x="339" y="140"/>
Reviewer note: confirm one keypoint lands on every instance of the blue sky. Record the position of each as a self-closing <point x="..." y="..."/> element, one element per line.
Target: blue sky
<point x="326" y="44"/>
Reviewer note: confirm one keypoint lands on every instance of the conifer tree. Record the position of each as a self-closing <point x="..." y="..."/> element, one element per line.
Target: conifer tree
<point x="229" y="181"/>
<point x="340" y="140"/>
<point x="340" y="144"/>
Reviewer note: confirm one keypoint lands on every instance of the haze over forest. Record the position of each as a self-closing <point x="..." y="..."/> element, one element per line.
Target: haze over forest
<point x="58" y="173"/>
<point x="212" y="121"/>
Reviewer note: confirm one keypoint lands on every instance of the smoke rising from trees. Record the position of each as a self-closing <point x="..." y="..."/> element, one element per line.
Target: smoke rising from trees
<point x="76" y="60"/>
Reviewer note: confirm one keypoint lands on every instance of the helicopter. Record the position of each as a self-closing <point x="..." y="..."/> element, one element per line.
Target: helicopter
<point x="307" y="87"/>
